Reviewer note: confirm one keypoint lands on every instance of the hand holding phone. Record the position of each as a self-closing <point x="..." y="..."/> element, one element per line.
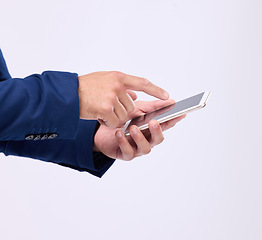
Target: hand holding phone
<point x="169" y="112"/>
<point x="113" y="142"/>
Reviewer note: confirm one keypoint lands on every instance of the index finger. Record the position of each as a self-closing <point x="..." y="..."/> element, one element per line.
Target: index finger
<point x="142" y="84"/>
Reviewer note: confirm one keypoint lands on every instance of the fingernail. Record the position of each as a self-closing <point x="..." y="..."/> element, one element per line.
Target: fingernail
<point x="165" y="94"/>
<point x="155" y="126"/>
<point x="134" y="131"/>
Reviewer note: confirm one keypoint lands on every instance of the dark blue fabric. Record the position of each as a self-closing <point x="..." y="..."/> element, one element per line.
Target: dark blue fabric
<point x="47" y="103"/>
<point x="2" y="146"/>
<point x="76" y="154"/>
<point x="39" y="104"/>
<point x="4" y="74"/>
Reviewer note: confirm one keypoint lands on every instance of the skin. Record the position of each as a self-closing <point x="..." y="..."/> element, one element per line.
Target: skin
<point x="113" y="142"/>
<point x="107" y="96"/>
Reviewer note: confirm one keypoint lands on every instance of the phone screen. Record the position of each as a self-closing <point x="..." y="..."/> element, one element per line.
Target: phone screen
<point x="166" y="111"/>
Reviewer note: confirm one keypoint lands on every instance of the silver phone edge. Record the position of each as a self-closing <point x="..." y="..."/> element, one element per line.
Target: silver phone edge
<point x="176" y="115"/>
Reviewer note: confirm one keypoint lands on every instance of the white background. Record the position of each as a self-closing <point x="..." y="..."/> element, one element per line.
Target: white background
<point x="205" y="180"/>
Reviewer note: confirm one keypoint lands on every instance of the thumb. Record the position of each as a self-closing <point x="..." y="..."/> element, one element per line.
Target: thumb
<point x="154" y="105"/>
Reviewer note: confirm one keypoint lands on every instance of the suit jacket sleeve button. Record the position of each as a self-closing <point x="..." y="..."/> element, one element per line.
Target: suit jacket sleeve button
<point x="52" y="136"/>
<point x="29" y="137"/>
<point x="44" y="136"/>
<point x="37" y="137"/>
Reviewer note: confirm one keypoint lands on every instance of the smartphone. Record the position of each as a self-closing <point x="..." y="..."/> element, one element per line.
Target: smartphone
<point x="169" y="112"/>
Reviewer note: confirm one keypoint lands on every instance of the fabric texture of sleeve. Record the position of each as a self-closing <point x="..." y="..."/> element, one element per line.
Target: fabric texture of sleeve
<point x="76" y="153"/>
<point x="39" y="104"/>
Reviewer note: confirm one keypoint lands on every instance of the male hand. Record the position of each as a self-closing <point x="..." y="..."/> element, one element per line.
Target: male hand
<point x="107" y="96"/>
<point x="114" y="144"/>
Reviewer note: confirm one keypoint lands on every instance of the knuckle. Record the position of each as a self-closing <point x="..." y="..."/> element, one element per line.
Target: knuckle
<point x="107" y="108"/>
<point x="128" y="159"/>
<point x="112" y="97"/>
<point x="132" y="95"/>
<point x="117" y="86"/>
<point x="145" y="82"/>
<point x="130" y="156"/>
<point x="117" y="74"/>
<point x="147" y="150"/>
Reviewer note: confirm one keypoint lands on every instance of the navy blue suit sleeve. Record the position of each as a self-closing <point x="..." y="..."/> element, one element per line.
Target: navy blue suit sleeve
<point x="74" y="153"/>
<point x="39" y="104"/>
<point x="47" y="103"/>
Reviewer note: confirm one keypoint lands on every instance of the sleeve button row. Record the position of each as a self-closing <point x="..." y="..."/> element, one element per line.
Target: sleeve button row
<point x="41" y="136"/>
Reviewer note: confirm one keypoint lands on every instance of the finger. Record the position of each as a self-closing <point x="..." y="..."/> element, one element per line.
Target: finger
<point x="171" y="123"/>
<point x="156" y="133"/>
<point x="120" y="112"/>
<point x="125" y="99"/>
<point x="127" y="151"/>
<point x="143" y="146"/>
<point x="154" y="105"/>
<point x="132" y="94"/>
<point x="142" y="84"/>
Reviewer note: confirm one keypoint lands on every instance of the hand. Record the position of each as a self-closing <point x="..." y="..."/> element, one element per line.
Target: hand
<point x="107" y="96"/>
<point x="114" y="144"/>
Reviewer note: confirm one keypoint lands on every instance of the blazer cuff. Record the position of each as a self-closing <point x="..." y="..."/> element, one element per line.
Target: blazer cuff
<point x="2" y="146"/>
<point x="77" y="154"/>
<point x="84" y="146"/>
